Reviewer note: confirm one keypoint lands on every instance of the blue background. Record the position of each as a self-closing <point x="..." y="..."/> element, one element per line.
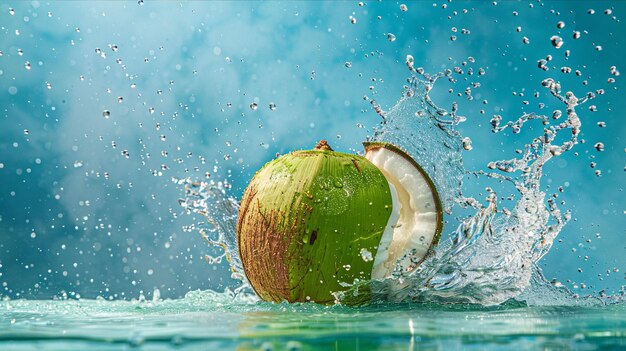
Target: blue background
<point x="65" y="226"/>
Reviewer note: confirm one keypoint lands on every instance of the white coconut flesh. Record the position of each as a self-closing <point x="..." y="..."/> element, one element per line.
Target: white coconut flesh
<point x="413" y="222"/>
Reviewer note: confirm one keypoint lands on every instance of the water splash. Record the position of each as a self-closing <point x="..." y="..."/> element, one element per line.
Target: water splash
<point x="492" y="256"/>
<point x="210" y="199"/>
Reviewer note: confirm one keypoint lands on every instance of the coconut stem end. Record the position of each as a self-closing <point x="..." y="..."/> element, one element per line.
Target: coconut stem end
<point x="323" y="145"/>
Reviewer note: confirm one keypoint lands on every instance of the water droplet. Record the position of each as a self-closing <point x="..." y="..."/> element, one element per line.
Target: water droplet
<point x="404" y="8"/>
<point x="467" y="143"/>
<point x="254" y="106"/>
<point x="599" y="146"/>
<point x="120" y="99"/>
<point x="272" y="106"/>
<point x="556" y="41"/>
<point x="348" y="64"/>
<point x="391" y="37"/>
<point x="11" y="11"/>
<point x="598" y="48"/>
<point x="560" y="24"/>
<point x="49" y="86"/>
<point x="525" y="40"/>
<point x="27" y="65"/>
<point x="106" y="113"/>
<point x="410" y="60"/>
<point x="608" y="11"/>
<point x="366" y="255"/>
<point x="352" y="19"/>
<point x="576" y="35"/>
<point x="591" y="11"/>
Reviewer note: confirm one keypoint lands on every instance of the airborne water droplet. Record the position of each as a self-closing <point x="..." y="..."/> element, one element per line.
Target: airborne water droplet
<point x="599" y="146"/>
<point x="557" y="41"/>
<point x="467" y="143"/>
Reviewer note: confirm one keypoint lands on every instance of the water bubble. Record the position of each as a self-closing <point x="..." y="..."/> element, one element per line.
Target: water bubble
<point x="556" y="41"/>
<point x="525" y="40"/>
<point x="560" y="24"/>
<point x="404" y="8"/>
<point x="120" y="99"/>
<point x="598" y="172"/>
<point x="593" y="108"/>
<point x="352" y="19"/>
<point x="49" y="85"/>
<point x="11" y="11"/>
<point x="608" y="11"/>
<point x="601" y="124"/>
<point x="391" y="37"/>
<point x="348" y="64"/>
<point x="591" y="11"/>
<point x="27" y="65"/>
<point x="518" y="29"/>
<point x="576" y="35"/>
<point x="254" y="106"/>
<point x="106" y="113"/>
<point x="599" y="146"/>
<point x="598" y="48"/>
<point x="614" y="71"/>
<point x="361" y="4"/>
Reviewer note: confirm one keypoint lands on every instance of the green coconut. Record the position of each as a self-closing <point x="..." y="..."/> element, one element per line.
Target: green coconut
<point x="313" y="223"/>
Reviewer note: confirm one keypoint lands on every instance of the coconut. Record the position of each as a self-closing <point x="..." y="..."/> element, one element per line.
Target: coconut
<point x="315" y="222"/>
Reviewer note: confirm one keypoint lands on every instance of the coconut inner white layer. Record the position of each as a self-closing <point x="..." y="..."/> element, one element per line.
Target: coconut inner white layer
<point x="413" y="222"/>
